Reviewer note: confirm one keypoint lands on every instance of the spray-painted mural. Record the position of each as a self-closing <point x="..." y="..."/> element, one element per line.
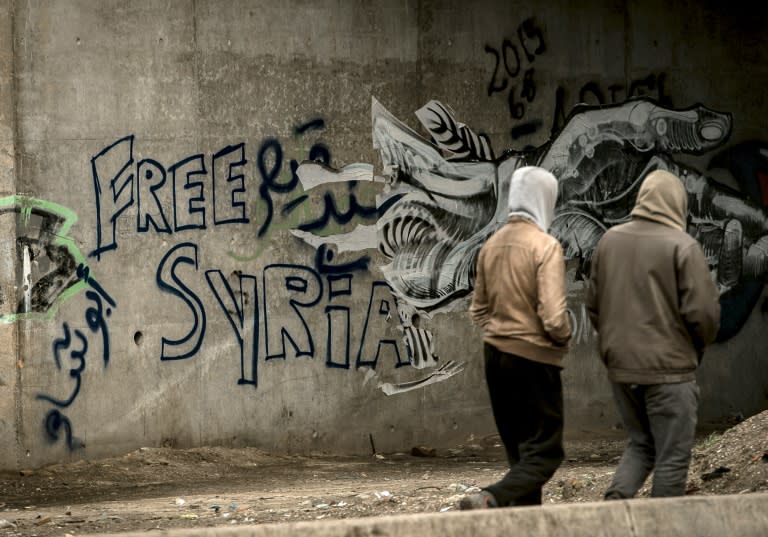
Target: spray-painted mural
<point x="379" y="254"/>
<point x="51" y="270"/>
<point x="49" y="259"/>
<point x="438" y="197"/>
<point x="451" y="195"/>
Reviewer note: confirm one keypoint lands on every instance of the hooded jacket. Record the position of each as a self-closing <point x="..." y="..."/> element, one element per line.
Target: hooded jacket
<point x="650" y="296"/>
<point x="520" y="296"/>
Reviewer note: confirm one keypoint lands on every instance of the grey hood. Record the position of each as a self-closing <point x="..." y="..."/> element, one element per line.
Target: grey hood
<point x="532" y="195"/>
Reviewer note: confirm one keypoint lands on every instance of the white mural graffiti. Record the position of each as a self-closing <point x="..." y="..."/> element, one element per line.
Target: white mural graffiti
<point x="451" y="196"/>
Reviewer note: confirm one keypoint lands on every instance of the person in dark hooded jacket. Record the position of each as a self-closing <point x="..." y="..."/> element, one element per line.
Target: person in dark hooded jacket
<point x="520" y="302"/>
<point x="655" y="307"/>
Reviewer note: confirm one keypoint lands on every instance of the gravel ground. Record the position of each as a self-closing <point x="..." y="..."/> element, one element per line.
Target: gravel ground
<point x="162" y="488"/>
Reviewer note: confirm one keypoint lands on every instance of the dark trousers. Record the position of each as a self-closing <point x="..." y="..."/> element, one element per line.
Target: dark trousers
<point x="660" y="420"/>
<point x="527" y="402"/>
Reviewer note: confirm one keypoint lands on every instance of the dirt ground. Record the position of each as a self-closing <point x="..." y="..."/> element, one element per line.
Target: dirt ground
<point x="161" y="488"/>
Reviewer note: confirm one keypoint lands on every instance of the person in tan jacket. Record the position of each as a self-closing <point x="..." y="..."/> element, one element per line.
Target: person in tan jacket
<point x="655" y="307"/>
<point x="520" y="303"/>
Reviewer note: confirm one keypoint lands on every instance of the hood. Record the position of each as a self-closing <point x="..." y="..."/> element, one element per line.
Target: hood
<point x="663" y="199"/>
<point x="532" y="195"/>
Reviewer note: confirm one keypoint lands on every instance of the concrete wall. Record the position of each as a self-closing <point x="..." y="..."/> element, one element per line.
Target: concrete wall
<point x="180" y="272"/>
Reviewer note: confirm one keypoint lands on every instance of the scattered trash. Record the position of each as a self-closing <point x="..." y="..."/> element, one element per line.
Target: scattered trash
<point x="379" y="456"/>
<point x="733" y="462"/>
<point x="458" y="487"/>
<point x="716" y="473"/>
<point x="43" y="521"/>
<point x="422" y="451"/>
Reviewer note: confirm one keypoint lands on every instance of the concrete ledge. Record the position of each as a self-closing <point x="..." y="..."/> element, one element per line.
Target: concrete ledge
<point x="744" y="515"/>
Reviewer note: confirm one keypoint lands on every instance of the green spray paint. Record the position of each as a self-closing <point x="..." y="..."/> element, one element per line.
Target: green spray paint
<point x="25" y="206"/>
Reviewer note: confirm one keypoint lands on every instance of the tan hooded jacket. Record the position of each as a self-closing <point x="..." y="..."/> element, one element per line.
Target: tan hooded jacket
<point x="520" y="297"/>
<point x="651" y="297"/>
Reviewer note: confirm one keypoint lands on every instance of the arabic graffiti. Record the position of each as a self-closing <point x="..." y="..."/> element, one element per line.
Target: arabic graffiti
<point x="200" y="192"/>
<point x="55" y="421"/>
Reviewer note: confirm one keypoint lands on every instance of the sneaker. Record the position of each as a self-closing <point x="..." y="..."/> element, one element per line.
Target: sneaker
<point x="481" y="500"/>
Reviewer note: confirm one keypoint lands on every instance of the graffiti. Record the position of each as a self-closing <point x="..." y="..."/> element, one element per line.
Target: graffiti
<point x="741" y="249"/>
<point x="287" y="290"/>
<point x="507" y="67"/>
<point x="281" y="301"/>
<point x="338" y="318"/>
<point x="55" y="421"/>
<point x="169" y="282"/>
<point x="456" y="138"/>
<point x="403" y="232"/>
<point x="446" y="209"/>
<point x="329" y="246"/>
<point x="241" y="310"/>
<point x="651" y="86"/>
<point x="78" y="355"/>
<point x="379" y="311"/>
<point x="199" y="192"/>
<point x="444" y="372"/>
<point x="95" y="314"/>
<point x="270" y="183"/>
<point x="331" y="212"/>
<point x="317" y="153"/>
<point x="315" y="174"/>
<point x="583" y="331"/>
<point x="48" y="258"/>
<point x="447" y="206"/>
<point x="193" y="194"/>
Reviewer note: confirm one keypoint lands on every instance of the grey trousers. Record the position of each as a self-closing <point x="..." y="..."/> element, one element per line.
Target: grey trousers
<point x="660" y="420"/>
